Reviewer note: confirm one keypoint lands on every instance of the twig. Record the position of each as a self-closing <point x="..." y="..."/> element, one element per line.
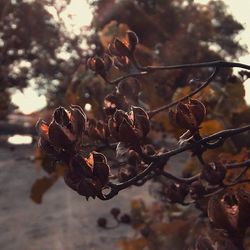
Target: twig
<point x="222" y="134"/>
<point x="150" y="69"/>
<point x="211" y="77"/>
<point x="179" y="179"/>
<point x="238" y="165"/>
<point x="217" y="64"/>
<point x="116" y="188"/>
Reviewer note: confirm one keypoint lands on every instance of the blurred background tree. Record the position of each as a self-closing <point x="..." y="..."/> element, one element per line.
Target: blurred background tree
<point x="170" y="32"/>
<point x="35" y="47"/>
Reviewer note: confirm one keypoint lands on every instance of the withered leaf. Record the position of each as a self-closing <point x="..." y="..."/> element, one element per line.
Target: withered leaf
<point x="40" y="186"/>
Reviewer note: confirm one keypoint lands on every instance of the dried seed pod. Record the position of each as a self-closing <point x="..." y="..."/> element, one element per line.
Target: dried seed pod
<point x="72" y="179"/>
<point x="96" y="64"/>
<point x="89" y="188"/>
<point x="89" y="175"/>
<point x="198" y="109"/>
<point x="79" y="166"/>
<point x="223" y="212"/>
<point x="102" y="222"/>
<point x="78" y="119"/>
<point x="176" y="193"/>
<point x="149" y="149"/>
<point x="129" y="88"/>
<point x="214" y="173"/>
<point x="133" y="40"/>
<point x="108" y="62"/>
<point x="230" y="211"/>
<point x="121" y="62"/>
<point x="204" y="243"/>
<point x="46" y="147"/>
<point x="60" y="136"/>
<point x="120" y="127"/>
<point x="121" y="48"/>
<point x="184" y="117"/>
<point x="115" y="212"/>
<point x="129" y="127"/>
<point x="112" y="102"/>
<point x="66" y="129"/>
<point x="133" y="157"/>
<point x="188" y="116"/>
<point x="97" y="129"/>
<point x="100" y="65"/>
<point x="61" y="116"/>
<point x="125" y="218"/>
<point x="197" y="190"/>
<point x="125" y="47"/>
<point x="101" y="171"/>
<point x="126" y="173"/>
<point x="141" y="121"/>
<point x="243" y="198"/>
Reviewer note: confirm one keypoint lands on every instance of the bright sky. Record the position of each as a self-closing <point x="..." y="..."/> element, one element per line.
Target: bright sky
<point x="29" y="101"/>
<point x="240" y="10"/>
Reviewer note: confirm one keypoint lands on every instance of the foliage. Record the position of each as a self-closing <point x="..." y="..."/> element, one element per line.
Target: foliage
<point x="32" y="44"/>
<point x="126" y="130"/>
<point x="128" y="126"/>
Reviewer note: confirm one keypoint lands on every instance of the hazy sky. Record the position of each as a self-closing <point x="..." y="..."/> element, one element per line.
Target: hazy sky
<point x="28" y="101"/>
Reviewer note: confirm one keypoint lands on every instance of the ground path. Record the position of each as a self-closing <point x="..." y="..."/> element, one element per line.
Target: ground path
<point x="64" y="221"/>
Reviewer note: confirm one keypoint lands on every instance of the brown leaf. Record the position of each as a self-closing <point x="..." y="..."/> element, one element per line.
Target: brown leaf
<point x="101" y="171"/>
<point x="141" y="120"/>
<point x="171" y="228"/>
<point x="121" y="48"/>
<point x="126" y="133"/>
<point x="40" y="186"/>
<point x="211" y="126"/>
<point x="133" y="244"/>
<point x="60" y="169"/>
<point x="90" y="160"/>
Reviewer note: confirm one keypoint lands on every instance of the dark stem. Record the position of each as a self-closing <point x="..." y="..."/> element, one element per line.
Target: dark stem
<point x="224" y="134"/>
<point x="116" y="188"/>
<point x="165" y="107"/>
<point x="217" y="64"/>
<point x="149" y="69"/>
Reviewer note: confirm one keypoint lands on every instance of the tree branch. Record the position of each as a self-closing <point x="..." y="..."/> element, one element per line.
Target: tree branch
<point x="206" y="83"/>
<point x="222" y="134"/>
<point x="150" y="69"/>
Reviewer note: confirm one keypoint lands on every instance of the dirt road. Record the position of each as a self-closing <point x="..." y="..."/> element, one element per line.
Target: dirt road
<point x="64" y="221"/>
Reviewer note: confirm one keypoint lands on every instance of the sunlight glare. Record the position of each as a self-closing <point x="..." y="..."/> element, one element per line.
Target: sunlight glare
<point x="77" y="15"/>
<point x="247" y="89"/>
<point x="28" y="101"/>
<point x="88" y="107"/>
<point x="20" y="139"/>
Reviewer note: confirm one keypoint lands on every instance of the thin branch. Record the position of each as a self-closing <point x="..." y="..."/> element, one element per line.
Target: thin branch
<point x="179" y="179"/>
<point x="150" y="69"/>
<point x="116" y="188"/>
<point x="241" y="174"/>
<point x="145" y="179"/>
<point x="238" y="165"/>
<point x="165" y="107"/>
<point x="116" y="81"/>
<point x="217" y="64"/>
<point x="224" y="134"/>
<point x="189" y="180"/>
<point x="159" y="160"/>
<point x="238" y="182"/>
